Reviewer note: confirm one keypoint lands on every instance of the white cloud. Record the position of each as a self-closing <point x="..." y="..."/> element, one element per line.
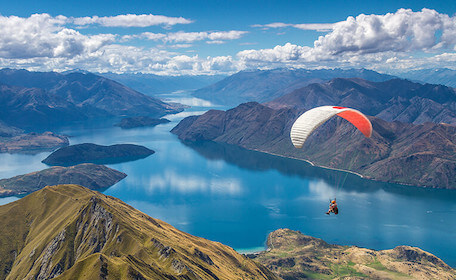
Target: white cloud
<point x="215" y="42"/>
<point x="146" y="35"/>
<point x="43" y="43"/>
<point x="181" y="36"/>
<point x="287" y="52"/>
<point x="400" y="40"/>
<point x="178" y="46"/>
<point x="131" y="20"/>
<point x="321" y="27"/>
<point x="41" y="35"/>
<point x="188" y="37"/>
<point x="404" y="30"/>
<point x="367" y="40"/>
<point x="119" y="59"/>
<point x="226" y="35"/>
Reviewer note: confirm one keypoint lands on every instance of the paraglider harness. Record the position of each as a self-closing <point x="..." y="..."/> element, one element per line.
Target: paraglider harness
<point x="333" y="207"/>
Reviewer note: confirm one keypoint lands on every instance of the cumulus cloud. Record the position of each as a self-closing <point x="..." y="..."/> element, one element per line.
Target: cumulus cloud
<point x="404" y="30"/>
<point x="286" y="53"/>
<point x="364" y="39"/>
<point x="321" y="27"/>
<point x="120" y="59"/>
<point x="188" y="37"/>
<point x="42" y="42"/>
<point x="41" y="35"/>
<point x="131" y="20"/>
<point x="380" y="42"/>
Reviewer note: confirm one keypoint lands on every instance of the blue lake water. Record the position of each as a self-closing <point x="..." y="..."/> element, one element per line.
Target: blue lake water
<point x="237" y="197"/>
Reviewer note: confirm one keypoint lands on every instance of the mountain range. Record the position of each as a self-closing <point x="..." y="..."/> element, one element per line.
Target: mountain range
<point x="265" y="85"/>
<point x="392" y="100"/>
<point x="151" y="84"/>
<point x="405" y="153"/>
<point x="441" y="76"/>
<point x="71" y="232"/>
<point x="29" y="99"/>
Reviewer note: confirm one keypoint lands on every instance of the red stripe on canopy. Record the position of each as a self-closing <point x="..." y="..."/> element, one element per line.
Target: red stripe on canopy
<point x="359" y="120"/>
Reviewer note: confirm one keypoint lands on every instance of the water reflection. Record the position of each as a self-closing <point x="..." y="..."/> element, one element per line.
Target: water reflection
<point x="184" y="97"/>
<point x="328" y="179"/>
<point x="6" y="200"/>
<point x="171" y="181"/>
<point x="26" y="163"/>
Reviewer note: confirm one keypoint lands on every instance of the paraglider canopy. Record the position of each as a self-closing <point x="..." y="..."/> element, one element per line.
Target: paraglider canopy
<point x="312" y="119"/>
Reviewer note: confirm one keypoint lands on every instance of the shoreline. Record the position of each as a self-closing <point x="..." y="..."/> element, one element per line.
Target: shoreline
<point x="313" y="164"/>
<point x="342" y="170"/>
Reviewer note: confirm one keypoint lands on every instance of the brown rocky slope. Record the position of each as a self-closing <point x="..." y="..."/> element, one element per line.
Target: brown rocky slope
<point x="423" y="155"/>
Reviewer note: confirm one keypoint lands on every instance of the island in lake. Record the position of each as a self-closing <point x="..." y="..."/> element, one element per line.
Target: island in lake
<point x="93" y="176"/>
<point x="140" y="122"/>
<point x="99" y="154"/>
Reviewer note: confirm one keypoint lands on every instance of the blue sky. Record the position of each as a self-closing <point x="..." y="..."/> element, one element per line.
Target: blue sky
<point x="210" y="37"/>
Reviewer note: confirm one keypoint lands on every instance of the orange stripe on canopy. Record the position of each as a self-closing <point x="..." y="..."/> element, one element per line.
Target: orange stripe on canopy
<point x="360" y="121"/>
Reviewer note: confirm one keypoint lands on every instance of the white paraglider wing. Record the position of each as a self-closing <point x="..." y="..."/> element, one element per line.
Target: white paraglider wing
<point x="312" y="119"/>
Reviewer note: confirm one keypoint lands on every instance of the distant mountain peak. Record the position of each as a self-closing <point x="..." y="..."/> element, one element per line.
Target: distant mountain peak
<point x="265" y="85"/>
<point x="70" y="97"/>
<point x="77" y="70"/>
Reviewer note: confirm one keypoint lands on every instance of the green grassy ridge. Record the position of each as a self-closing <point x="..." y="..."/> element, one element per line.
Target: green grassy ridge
<point x="71" y="232"/>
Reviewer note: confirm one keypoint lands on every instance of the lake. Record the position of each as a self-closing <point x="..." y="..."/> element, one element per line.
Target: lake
<point x="234" y="196"/>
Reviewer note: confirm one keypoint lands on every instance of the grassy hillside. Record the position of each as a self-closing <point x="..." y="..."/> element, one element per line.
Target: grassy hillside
<point x="293" y="255"/>
<point x="71" y="232"/>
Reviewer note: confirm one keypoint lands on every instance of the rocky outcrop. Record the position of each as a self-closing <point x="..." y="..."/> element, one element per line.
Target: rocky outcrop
<point x="423" y="155"/>
<point x="47" y="268"/>
<point x="74" y="233"/>
<point x="293" y="255"/>
<point x="140" y="122"/>
<point x="93" y="176"/>
<point x="32" y="142"/>
<point x="93" y="153"/>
